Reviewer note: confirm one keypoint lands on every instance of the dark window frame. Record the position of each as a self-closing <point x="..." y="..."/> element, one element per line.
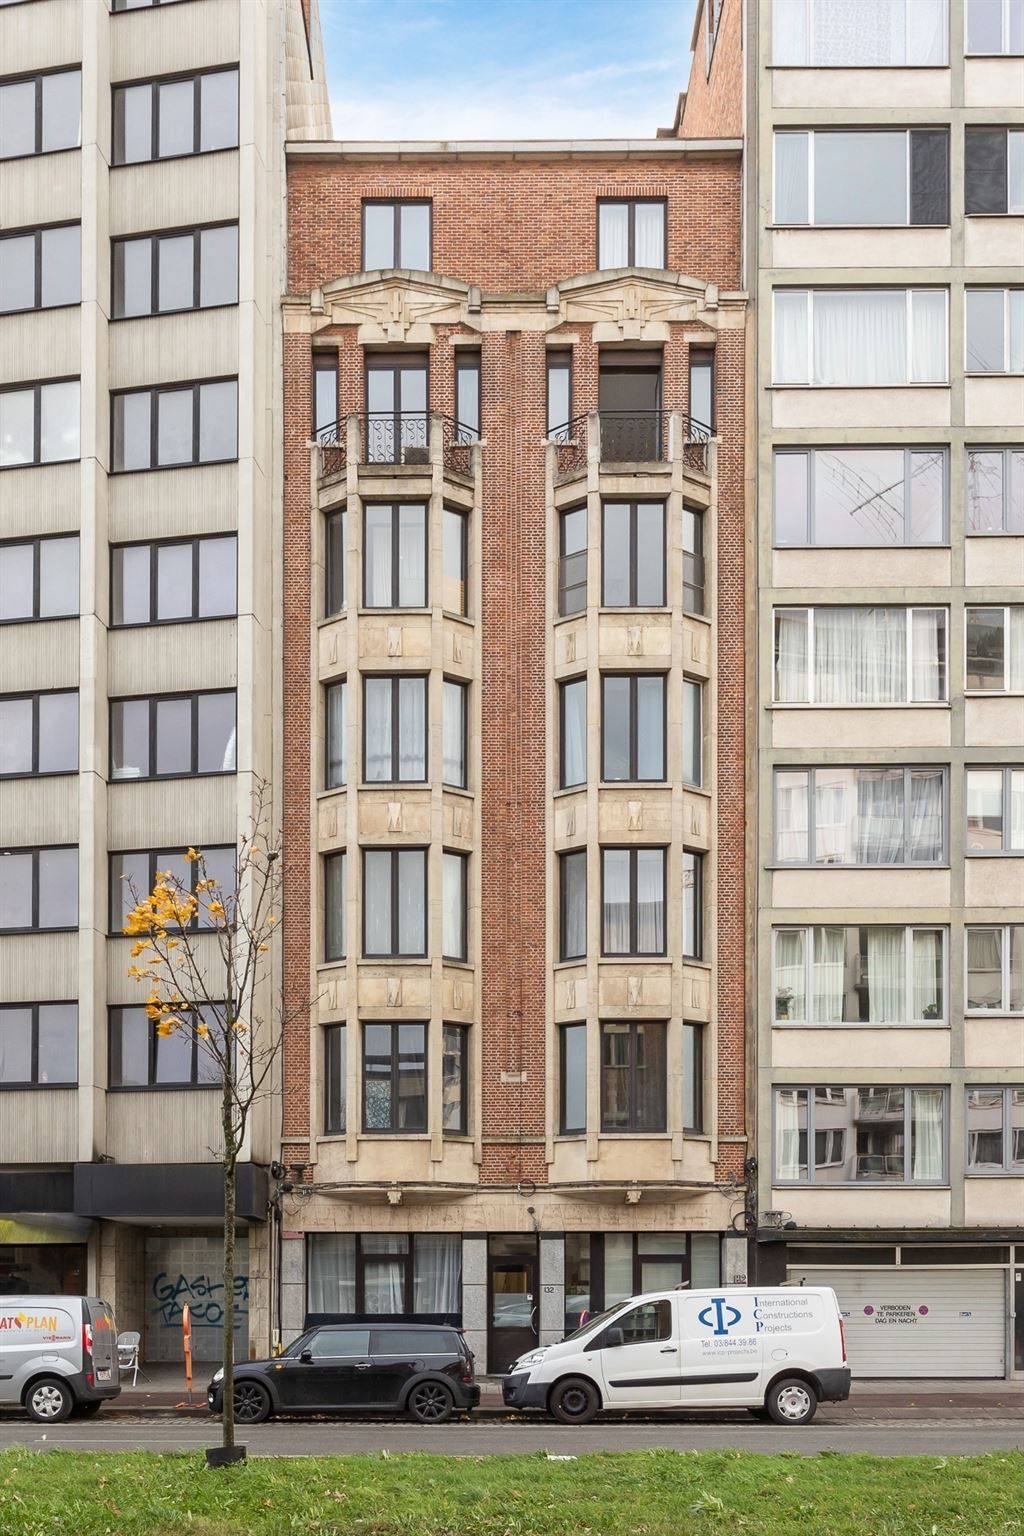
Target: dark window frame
<point x="333" y="1035"/>
<point x="33" y="1009"/>
<point x="154" y="391"/>
<point x="396" y="679"/>
<point x="632" y="1129"/>
<point x="153" y="699"/>
<point x="698" y="904"/>
<point x="335" y="855"/>
<point x="396" y="363"/>
<point x="463" y="686"/>
<point x="394" y="1078"/>
<point x="325" y="360"/>
<point x="396" y="204"/>
<point x="462" y="1033"/>
<point x="634" y="503"/>
<point x="194" y="1082"/>
<point x="557" y="359"/>
<point x="152" y="856"/>
<point x="564" y="957"/>
<point x="695" y="591"/>
<point x="329" y="689"/>
<point x="38" y="231"/>
<point x="34" y="542"/>
<point x="699" y="358"/>
<point x="698" y="1034"/>
<point x="154" y="237"/>
<point x="633" y="678"/>
<point x="174" y="78"/>
<point x="34" y="850"/>
<point x="37" y="76"/>
<point x="563" y="685"/>
<point x="564" y="1127"/>
<point x="36" y="386"/>
<point x="335" y="560"/>
<point x="121" y="8"/>
<point x="395" y="510"/>
<point x="395" y="953"/>
<point x="35" y="694"/>
<point x="195" y="617"/>
<point x="463" y="521"/>
<point x="633" y="849"/>
<point x="630" y="204"/>
<point x="463" y="957"/>
<point x="565" y="587"/>
<point x="468" y="360"/>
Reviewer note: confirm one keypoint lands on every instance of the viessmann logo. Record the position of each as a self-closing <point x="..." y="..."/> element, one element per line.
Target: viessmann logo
<point x="39" y="1322"/>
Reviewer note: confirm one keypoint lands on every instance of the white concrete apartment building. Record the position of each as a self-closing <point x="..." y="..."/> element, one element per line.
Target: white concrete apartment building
<point x="141" y="196"/>
<point x="886" y="229"/>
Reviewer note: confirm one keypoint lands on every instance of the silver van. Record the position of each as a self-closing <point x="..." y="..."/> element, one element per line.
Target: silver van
<point x="58" y="1355"/>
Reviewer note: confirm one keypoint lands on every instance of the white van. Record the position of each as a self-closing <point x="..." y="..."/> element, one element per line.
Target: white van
<point x="58" y="1355"/>
<point x="778" y="1351"/>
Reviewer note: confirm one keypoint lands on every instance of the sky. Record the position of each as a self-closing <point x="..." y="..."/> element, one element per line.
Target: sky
<point x="500" y="69"/>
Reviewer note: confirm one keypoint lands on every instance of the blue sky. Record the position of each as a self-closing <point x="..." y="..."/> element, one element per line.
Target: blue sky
<point x="478" y="69"/>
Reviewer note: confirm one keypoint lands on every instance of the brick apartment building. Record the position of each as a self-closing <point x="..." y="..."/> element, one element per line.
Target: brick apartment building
<point x="514" y="735"/>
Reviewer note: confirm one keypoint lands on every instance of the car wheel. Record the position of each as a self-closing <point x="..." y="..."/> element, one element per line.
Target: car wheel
<point x="86" y="1410"/>
<point x="252" y="1402"/>
<point x="791" y="1401"/>
<point x="49" y="1401"/>
<point x="430" y="1403"/>
<point x="574" y="1401"/>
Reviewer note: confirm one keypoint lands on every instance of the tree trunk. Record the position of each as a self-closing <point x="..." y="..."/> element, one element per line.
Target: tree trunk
<point x="230" y="1163"/>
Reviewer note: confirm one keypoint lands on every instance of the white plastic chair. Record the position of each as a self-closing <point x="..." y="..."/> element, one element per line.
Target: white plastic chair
<point x="128" y="1353"/>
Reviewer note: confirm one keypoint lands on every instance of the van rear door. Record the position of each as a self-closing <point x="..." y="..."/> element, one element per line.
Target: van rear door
<point x="99" y="1340"/>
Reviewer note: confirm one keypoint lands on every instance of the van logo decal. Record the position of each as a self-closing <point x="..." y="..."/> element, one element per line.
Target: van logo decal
<point x="719" y="1316"/>
<point x="39" y="1321"/>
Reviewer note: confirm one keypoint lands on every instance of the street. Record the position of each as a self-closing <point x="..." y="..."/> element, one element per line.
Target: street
<point x="959" y="1434"/>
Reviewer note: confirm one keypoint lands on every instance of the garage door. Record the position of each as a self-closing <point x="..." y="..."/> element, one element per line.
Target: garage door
<point x="920" y="1322"/>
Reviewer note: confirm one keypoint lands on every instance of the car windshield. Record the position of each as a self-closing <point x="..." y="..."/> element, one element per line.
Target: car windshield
<point x="297" y="1345"/>
<point x="594" y="1322"/>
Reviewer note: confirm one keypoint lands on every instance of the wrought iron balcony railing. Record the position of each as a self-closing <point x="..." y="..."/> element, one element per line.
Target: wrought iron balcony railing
<point x="631" y="437"/>
<point x="397" y="437"/>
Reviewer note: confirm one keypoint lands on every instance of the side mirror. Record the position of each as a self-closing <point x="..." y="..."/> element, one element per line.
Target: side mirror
<point x="306" y="1357"/>
<point x="612" y="1338"/>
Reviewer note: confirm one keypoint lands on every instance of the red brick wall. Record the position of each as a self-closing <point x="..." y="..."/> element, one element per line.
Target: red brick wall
<point x="714" y="102"/>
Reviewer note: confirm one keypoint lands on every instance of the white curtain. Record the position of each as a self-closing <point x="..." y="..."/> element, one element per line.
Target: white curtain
<point x="650" y="234"/>
<point x="985" y="968"/>
<point x="926" y="1115"/>
<point x="828" y="980"/>
<point x="616" y="900"/>
<point x="1015" y="299"/>
<point x="383" y="1276"/>
<point x="613" y="234"/>
<point x="336" y="734"/>
<point x="790" y="32"/>
<point x="437" y="1272"/>
<point x="454" y="913"/>
<point x="790" y="975"/>
<point x="791" y="818"/>
<point x="925" y="817"/>
<point x="1013" y="673"/>
<point x="332" y="1272"/>
<point x="791" y="178"/>
<point x="378" y="558"/>
<point x="411" y="916"/>
<point x="926" y="952"/>
<point x="412" y="728"/>
<point x="860" y="337"/>
<point x="412" y="558"/>
<point x="927" y="31"/>
<point x="454" y="734"/>
<point x="791" y="681"/>
<point x="574" y="740"/>
<point x="887" y="985"/>
<point x="650" y="901"/>
<point x="790" y="336"/>
<point x="928" y="653"/>
<point x="790" y="1108"/>
<point x="377" y="728"/>
<point x="860" y="655"/>
<point x="1017" y="809"/>
<point x="880" y="816"/>
<point x="928" y="336"/>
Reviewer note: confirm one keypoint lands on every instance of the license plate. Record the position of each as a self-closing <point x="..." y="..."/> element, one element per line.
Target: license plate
<point x="103" y="1374"/>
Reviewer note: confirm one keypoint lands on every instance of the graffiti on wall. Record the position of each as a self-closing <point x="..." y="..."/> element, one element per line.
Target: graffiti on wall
<point x="204" y="1295"/>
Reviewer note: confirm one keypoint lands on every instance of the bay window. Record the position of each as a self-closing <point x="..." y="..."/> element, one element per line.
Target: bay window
<point x="633" y="554"/>
<point x="862" y="176"/>
<point x="863" y="1135"/>
<point x="336" y="735"/>
<point x="693" y="733"/>
<point x="454" y="558"/>
<point x="335" y="1079"/>
<point x="860" y="816"/>
<point x="837" y="34"/>
<point x="394" y="902"/>
<point x="454" y="884"/>
<point x="860" y="337"/>
<point x="995" y="649"/>
<point x="995" y="811"/>
<point x="693" y="905"/>
<point x="384" y="1274"/>
<point x="572" y="868"/>
<point x="572" y="1074"/>
<point x="394" y="729"/>
<point x="859" y="975"/>
<point x="633" y="727"/>
<point x="995" y="1130"/>
<point x="572" y="561"/>
<point x="335" y="557"/>
<point x="454" y="733"/>
<point x="335" y="905"/>
<point x="572" y="700"/>
<point x="860" y="497"/>
<point x="995" y="968"/>
<point x="633" y="901"/>
<point x="394" y="1078"/>
<point x="395" y="555"/>
<point x="693" y="1078"/>
<point x="860" y="656"/>
<point x="633" y="1077"/>
<point x="995" y="490"/>
<point x="455" y="1080"/>
<point x="994" y="330"/>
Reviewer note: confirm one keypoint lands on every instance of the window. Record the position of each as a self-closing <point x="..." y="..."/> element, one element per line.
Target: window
<point x="172" y="735"/>
<point x="327" y="425"/>
<point x="172" y="580"/>
<point x="995" y="810"/>
<point x="335" y="1079"/>
<point x="860" y="336"/>
<point x="995" y="969"/>
<point x="467" y="395"/>
<point x="693" y="733"/>
<point x="702" y="388"/>
<point x="139" y="5"/>
<point x="38" y="579"/>
<point x="995" y="650"/>
<point x="995" y="1130"/>
<point x="454" y="873"/>
<point x="693" y="905"/>
<point x="38" y="889"/>
<point x="133" y="876"/>
<point x="336" y="734"/>
<point x="175" y="424"/>
<point x="335" y="557"/>
<point x="860" y="816"/>
<point x="142" y="1058"/>
<point x="453" y="744"/>
<point x="38" y="1045"/>
<point x="394" y="729"/>
<point x="390" y="1274"/>
<point x="454" y="527"/>
<point x="397" y="235"/>
<point x="395" y="555"/>
<point x="559" y="391"/>
<point x="633" y="901"/>
<point x="40" y="113"/>
<point x="396" y="409"/>
<point x="632" y="727"/>
<point x="335" y="905"/>
<point x="573" y="712"/>
<point x="41" y="268"/>
<point x="693" y="1078"/>
<point x="38" y="734"/>
<point x="633" y="1077"/>
<point x="189" y="115"/>
<point x="995" y="26"/>
<point x="868" y="176"/>
<point x="995" y="330"/>
<point x="993" y="170"/>
<point x="455" y="1080"/>
<point x="39" y="423"/>
<point x="572" y="1075"/>
<point x="834" y="33"/>
<point x="572" y="561"/>
<point x="573" y="905"/>
<point x="631" y="233"/>
<point x="860" y="656"/>
<point x="394" y="1078"/>
<point x="713" y="13"/>
<point x="995" y="490"/>
<point x="190" y="269"/>
<point x="693" y="561"/>
<point x="633" y="554"/>
<point x="860" y="497"/>
<point x="859" y="975"/>
<point x="394" y="902"/>
<point x="876" y="1135"/>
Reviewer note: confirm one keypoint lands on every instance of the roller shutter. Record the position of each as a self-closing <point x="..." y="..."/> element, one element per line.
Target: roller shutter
<point x="920" y="1322"/>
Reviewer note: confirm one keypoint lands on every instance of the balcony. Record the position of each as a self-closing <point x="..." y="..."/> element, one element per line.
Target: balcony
<point x="630" y="437"/>
<point x="372" y="438"/>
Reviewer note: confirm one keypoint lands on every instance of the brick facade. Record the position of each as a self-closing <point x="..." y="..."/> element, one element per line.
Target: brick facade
<point x="714" y="98"/>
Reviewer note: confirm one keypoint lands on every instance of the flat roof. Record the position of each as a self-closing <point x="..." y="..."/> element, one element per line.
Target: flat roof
<point x="513" y="149"/>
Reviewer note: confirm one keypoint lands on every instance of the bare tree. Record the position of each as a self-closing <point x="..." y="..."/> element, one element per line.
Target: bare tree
<point x="204" y="951"/>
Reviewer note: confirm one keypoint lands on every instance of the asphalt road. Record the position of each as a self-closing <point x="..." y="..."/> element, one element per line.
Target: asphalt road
<point x="954" y="1436"/>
